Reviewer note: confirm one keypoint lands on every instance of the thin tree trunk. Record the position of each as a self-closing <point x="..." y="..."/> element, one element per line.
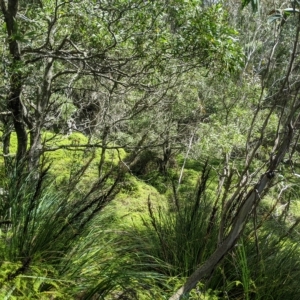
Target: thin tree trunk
<point x="36" y="125"/>
<point x="7" y="129"/>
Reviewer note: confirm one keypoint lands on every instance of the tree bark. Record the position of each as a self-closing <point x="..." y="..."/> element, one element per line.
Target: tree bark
<point x="14" y="103"/>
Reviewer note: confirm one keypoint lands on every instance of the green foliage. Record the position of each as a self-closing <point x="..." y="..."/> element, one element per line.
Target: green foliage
<point x="131" y="203"/>
<point x="173" y="241"/>
<point x="44" y="239"/>
<point x="254" y="4"/>
<point x="180" y="237"/>
<point x="260" y="269"/>
<point x="204" y="34"/>
<point x="151" y="84"/>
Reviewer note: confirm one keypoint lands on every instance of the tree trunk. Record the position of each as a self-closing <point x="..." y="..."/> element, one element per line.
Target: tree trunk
<point x="14" y="103"/>
<point x="43" y="97"/>
<point x="6" y="143"/>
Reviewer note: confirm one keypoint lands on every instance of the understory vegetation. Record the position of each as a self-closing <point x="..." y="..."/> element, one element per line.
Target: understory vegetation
<point x="149" y="150"/>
